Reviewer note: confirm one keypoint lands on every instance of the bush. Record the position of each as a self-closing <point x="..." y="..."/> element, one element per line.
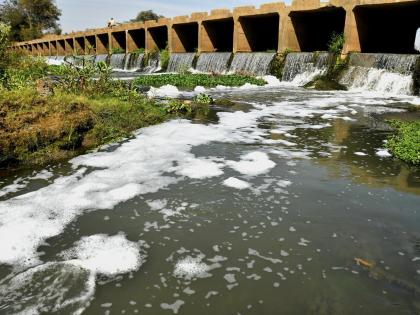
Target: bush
<point x="164" y="58"/>
<point x="203" y="98"/>
<point x="277" y="65"/>
<point x="405" y="143"/>
<point x="336" y="43"/>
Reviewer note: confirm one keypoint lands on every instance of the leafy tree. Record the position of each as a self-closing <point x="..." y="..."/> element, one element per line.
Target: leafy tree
<point x="4" y="44"/>
<point x="148" y="15"/>
<point x="30" y="19"/>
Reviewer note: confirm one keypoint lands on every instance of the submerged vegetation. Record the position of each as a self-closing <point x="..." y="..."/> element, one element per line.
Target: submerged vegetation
<point x="405" y="144"/>
<point x="189" y="80"/>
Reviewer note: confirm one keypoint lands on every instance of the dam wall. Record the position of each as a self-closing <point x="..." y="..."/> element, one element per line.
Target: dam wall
<point x="369" y="26"/>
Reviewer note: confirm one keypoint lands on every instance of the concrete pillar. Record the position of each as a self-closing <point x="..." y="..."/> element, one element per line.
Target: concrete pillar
<point x="288" y="38"/>
<point x="351" y="32"/>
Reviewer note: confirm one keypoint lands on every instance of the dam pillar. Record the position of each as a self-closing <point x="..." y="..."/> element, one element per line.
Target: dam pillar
<point x="216" y="32"/>
<point x="257" y="29"/>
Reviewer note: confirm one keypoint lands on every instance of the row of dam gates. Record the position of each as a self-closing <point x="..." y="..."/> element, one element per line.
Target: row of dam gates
<point x="369" y="26"/>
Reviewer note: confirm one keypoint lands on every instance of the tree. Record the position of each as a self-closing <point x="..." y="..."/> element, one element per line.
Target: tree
<point x="30" y="19"/>
<point x="148" y="15"/>
<point x="4" y="45"/>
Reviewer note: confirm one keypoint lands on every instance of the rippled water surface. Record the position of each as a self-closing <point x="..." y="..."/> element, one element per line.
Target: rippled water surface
<point x="258" y="208"/>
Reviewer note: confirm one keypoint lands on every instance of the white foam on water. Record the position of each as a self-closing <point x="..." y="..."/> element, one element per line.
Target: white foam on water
<point x="197" y="168"/>
<point x="252" y="164"/>
<point x="236" y="183"/>
<point x="383" y="153"/>
<point x="145" y="164"/>
<point x="157" y="204"/>
<point x="174" y="307"/>
<point x="48" y="288"/>
<point x="163" y="91"/>
<point x="271" y="80"/>
<point x="360" y="153"/>
<point x="106" y="255"/>
<point x="191" y="267"/>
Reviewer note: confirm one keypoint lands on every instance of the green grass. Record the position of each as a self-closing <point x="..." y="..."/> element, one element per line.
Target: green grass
<point x="405" y="143"/>
<point x="190" y="81"/>
<point x="37" y="129"/>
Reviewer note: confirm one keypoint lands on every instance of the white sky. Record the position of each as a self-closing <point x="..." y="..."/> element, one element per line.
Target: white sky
<point x="82" y="14"/>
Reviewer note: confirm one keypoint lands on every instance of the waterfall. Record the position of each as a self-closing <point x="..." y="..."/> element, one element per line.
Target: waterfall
<point x="252" y="63"/>
<point x="117" y="61"/>
<point x="301" y="68"/>
<point x="101" y="58"/>
<point x="134" y="62"/>
<point x="213" y="62"/>
<point x="180" y="62"/>
<point x="153" y="64"/>
<point x="387" y="73"/>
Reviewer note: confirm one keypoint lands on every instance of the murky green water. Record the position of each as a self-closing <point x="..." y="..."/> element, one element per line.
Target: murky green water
<point x="261" y="208"/>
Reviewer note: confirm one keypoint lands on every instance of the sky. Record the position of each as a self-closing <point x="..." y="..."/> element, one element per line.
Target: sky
<point x="82" y="14"/>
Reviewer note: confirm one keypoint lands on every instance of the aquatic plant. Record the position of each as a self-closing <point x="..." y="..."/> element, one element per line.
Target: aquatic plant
<point x="190" y="81"/>
<point x="203" y="98"/>
<point x="405" y="143"/>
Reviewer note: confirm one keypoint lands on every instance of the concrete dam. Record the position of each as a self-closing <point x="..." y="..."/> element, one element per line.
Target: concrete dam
<point x="246" y="39"/>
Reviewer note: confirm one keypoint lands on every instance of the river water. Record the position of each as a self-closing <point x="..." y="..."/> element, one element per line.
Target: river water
<point x="257" y="208"/>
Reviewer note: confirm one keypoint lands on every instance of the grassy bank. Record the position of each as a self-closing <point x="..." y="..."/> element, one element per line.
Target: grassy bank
<point x="405" y="143"/>
<point x="36" y="129"/>
<point x="190" y="81"/>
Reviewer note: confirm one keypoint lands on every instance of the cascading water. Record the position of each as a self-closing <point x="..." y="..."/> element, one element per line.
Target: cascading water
<point x="179" y="62"/>
<point x="253" y="63"/>
<point x="101" y="58"/>
<point x="301" y="68"/>
<point x="117" y="61"/>
<point x="388" y="73"/>
<point x="134" y="62"/>
<point x="213" y="62"/>
<point x="153" y="64"/>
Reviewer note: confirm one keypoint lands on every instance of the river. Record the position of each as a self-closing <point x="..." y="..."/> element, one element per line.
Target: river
<point x="258" y="208"/>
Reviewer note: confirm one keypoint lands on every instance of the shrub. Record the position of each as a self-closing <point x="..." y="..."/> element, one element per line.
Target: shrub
<point x="164" y="58"/>
<point x="277" y="65"/>
<point x="405" y="143"/>
<point x="117" y="51"/>
<point x="203" y="98"/>
<point x="336" y="43"/>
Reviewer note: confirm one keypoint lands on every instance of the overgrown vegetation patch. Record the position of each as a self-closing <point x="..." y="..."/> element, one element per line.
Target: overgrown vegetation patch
<point x="405" y="143"/>
<point x="190" y="81"/>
